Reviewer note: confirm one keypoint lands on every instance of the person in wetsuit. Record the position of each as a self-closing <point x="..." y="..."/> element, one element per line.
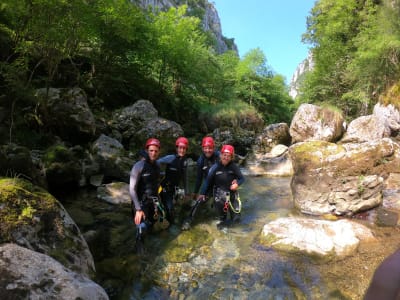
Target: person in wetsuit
<point x="224" y="179"/>
<point x="209" y="157"/>
<point x="175" y="182"/>
<point x="143" y="189"/>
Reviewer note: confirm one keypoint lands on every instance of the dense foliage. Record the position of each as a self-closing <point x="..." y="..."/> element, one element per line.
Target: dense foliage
<point x="119" y="53"/>
<point x="356" y="54"/>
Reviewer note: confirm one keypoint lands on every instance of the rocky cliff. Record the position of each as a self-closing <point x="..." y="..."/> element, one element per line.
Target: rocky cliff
<point x="205" y="11"/>
<point x="306" y="65"/>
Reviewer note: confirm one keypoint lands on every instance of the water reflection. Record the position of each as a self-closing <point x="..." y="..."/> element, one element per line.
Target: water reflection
<point x="206" y="263"/>
<point x="234" y="265"/>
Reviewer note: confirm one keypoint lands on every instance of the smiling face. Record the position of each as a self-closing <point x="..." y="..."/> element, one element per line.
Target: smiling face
<point x="181" y="150"/>
<point x="208" y="151"/>
<point x="226" y="158"/>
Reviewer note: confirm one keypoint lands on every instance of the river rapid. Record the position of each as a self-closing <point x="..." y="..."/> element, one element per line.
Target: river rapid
<point x="207" y="263"/>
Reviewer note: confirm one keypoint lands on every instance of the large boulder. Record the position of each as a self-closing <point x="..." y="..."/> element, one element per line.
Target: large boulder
<point x="384" y="122"/>
<point x="165" y="130"/>
<point x="341" y="179"/>
<point x="34" y="219"/>
<point x="131" y="119"/>
<point x="364" y="129"/>
<point x="114" y="161"/>
<point x="241" y="139"/>
<point x="274" y="163"/>
<point x="271" y="136"/>
<point x="16" y="161"/>
<point x="140" y="121"/>
<point x="268" y="155"/>
<point x="27" y="274"/>
<point x="389" y="115"/>
<point x="62" y="166"/>
<point x="68" y="114"/>
<point x="312" y="236"/>
<point x="312" y="123"/>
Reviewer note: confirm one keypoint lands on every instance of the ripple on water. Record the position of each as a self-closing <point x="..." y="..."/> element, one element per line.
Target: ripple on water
<point x="205" y="263"/>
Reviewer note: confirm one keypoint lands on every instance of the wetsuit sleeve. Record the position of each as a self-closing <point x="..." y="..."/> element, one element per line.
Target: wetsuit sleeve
<point x="199" y="176"/>
<point x="133" y="183"/>
<point x="209" y="181"/>
<point x="163" y="161"/>
<point x="167" y="159"/>
<point x="238" y="173"/>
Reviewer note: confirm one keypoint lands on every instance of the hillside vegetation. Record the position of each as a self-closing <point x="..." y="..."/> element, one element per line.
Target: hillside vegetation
<point x="119" y="53"/>
<point x="356" y="50"/>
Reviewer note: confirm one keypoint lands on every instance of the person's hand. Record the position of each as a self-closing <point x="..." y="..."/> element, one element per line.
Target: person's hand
<point x="234" y="185"/>
<point x="201" y="198"/>
<point x="139" y="215"/>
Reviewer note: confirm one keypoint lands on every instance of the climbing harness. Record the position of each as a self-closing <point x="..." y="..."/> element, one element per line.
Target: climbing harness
<point x="179" y="194"/>
<point x="239" y="205"/>
<point x="158" y="208"/>
<point x="228" y="203"/>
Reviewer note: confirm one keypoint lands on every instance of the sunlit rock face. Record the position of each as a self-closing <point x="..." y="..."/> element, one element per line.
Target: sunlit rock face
<point x="209" y="17"/>
<point x="320" y="237"/>
<point x="306" y="65"/>
<point x="341" y="179"/>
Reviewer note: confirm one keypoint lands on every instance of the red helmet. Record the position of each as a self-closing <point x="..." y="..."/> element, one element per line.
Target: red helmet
<point x="208" y="141"/>
<point x="182" y="141"/>
<point x="228" y="149"/>
<point x="153" y="142"/>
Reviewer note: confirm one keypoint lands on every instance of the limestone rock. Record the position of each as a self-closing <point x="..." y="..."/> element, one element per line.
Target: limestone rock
<point x="27" y="274"/>
<point x="316" y="236"/>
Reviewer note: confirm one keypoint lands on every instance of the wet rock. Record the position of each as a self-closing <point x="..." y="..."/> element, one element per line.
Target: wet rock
<point x="68" y="113"/>
<point x="315" y="236"/>
<point x="114" y="193"/>
<point x="341" y="178"/>
<point x="315" y="123"/>
<point x="27" y="274"/>
<point x="34" y="219"/>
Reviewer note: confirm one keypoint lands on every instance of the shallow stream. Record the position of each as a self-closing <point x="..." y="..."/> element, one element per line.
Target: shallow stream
<point x="206" y="263"/>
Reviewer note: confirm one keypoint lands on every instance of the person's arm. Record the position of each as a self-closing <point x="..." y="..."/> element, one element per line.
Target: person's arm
<point x="239" y="180"/>
<point x="167" y="159"/>
<point x="209" y="181"/>
<point x="133" y="182"/>
<point x="385" y="283"/>
<point x="163" y="162"/>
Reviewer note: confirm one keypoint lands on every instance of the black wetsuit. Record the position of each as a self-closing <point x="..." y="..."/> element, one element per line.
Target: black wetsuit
<point x="143" y="189"/>
<point x="175" y="178"/>
<point x="203" y="166"/>
<point x="218" y="181"/>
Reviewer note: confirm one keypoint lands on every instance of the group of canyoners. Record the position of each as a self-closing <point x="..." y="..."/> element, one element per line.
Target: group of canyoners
<point x="153" y="195"/>
<point x="218" y="177"/>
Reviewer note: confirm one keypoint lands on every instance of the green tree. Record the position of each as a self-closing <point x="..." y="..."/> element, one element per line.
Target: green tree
<point x="376" y="65"/>
<point x="183" y="65"/>
<point x="122" y="59"/>
<point x="41" y="34"/>
<point x="257" y="85"/>
<point x="250" y="70"/>
<point x="331" y="29"/>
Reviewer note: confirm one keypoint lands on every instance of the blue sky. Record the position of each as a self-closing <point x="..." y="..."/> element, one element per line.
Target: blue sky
<point x="271" y="25"/>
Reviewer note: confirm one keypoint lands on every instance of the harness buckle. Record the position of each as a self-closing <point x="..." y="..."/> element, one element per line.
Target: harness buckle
<point x="226" y="205"/>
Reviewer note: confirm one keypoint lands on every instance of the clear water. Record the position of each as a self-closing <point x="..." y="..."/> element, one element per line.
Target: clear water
<point x="206" y="263"/>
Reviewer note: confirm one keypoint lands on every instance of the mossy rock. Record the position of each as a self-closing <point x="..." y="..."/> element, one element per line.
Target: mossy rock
<point x="183" y="246"/>
<point x="21" y="203"/>
<point x="32" y="217"/>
